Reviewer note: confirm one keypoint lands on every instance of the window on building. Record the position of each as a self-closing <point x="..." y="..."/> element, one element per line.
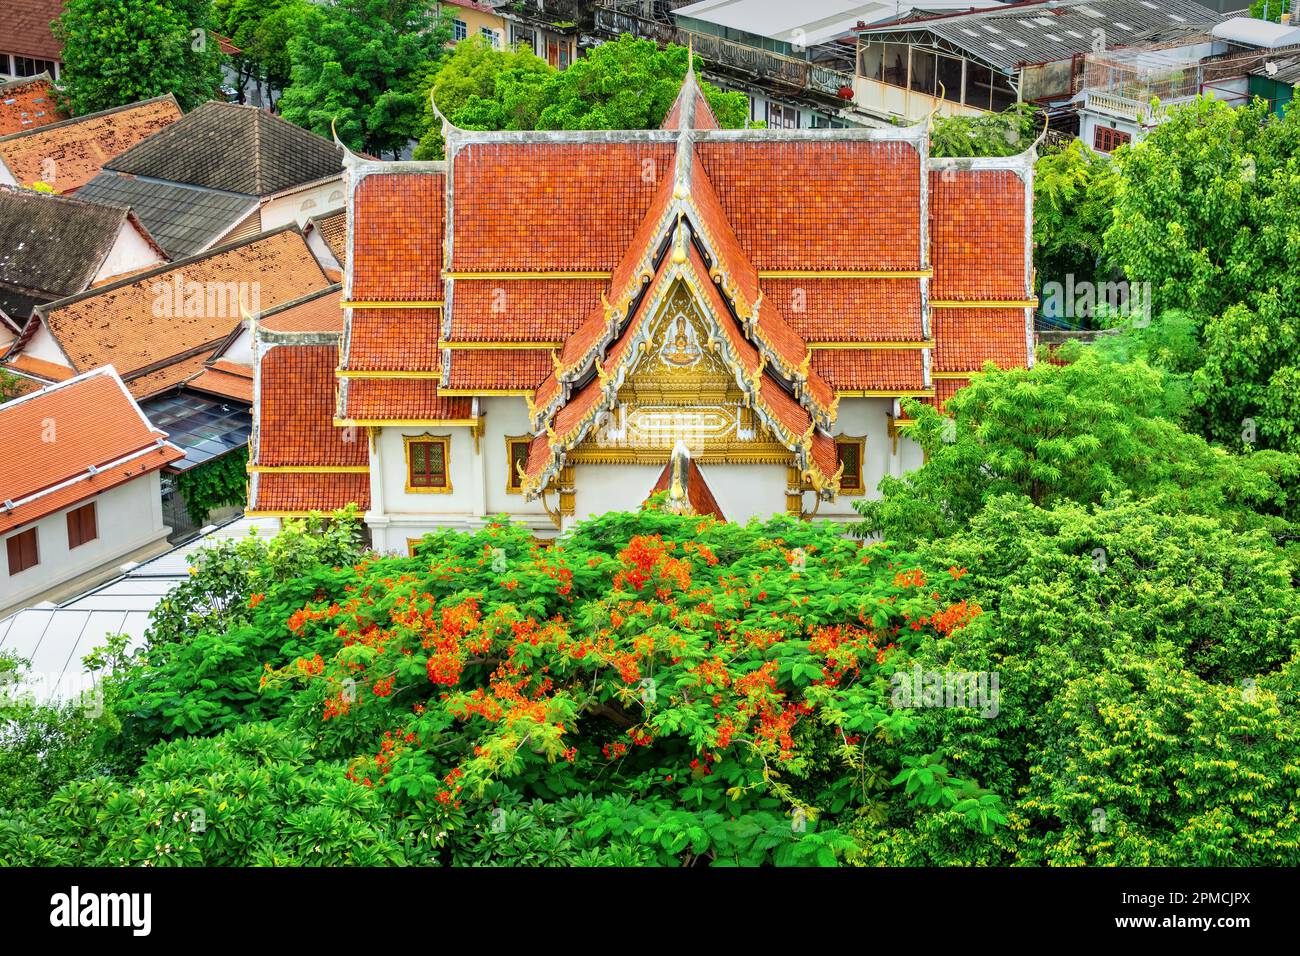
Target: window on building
<point x="4" y="64"/>
<point x="979" y="86"/>
<point x="427" y="461"/>
<point x="782" y="117"/>
<point x="520" y="35"/>
<point x="82" y="527"/>
<point x="459" y="30"/>
<point x="850" y="452"/>
<point x="564" y="55"/>
<point x="949" y="79"/>
<point x="22" y="551"/>
<point x="1004" y="94"/>
<point x="27" y="66"/>
<point x="492" y="36"/>
<point x="1106" y="140"/>
<point x="924" y="66"/>
<point x="516" y="458"/>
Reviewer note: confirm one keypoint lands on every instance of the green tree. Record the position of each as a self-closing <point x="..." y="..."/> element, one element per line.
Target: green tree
<point x="627" y="83"/>
<point x="120" y="51"/>
<point x="988" y="134"/>
<point x="1073" y="198"/>
<point x="358" y="64"/>
<point x="1073" y="432"/>
<point x="261" y="29"/>
<point x="214" y="484"/>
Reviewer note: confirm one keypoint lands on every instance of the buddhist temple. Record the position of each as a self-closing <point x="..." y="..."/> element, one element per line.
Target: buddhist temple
<point x="551" y="325"/>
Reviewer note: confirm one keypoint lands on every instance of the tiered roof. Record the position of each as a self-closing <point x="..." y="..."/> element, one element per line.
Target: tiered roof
<point x="831" y="263"/>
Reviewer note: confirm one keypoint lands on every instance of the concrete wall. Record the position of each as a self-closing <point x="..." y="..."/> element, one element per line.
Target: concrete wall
<point x="130" y="253"/>
<point x="300" y="206"/>
<point x="128" y="518"/>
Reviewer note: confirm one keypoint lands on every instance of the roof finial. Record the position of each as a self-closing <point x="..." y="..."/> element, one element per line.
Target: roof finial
<point x="690" y="54"/>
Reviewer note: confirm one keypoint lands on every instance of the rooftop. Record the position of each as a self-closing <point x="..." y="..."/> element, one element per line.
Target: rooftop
<point x="809" y="22"/>
<point x="53" y="246"/>
<point x="1047" y="31"/>
<point x="27" y="103"/>
<point x="183" y="219"/>
<point x="68" y="154"/>
<point x="237" y="149"/>
<point x="103" y="440"/>
<point x="25" y="28"/>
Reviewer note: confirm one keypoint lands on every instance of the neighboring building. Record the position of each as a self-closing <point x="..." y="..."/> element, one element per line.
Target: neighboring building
<point x="68" y="154"/>
<point x="1033" y="52"/>
<point x="1126" y="93"/>
<point x="792" y="79"/>
<point x="57" y="638"/>
<point x="545" y="321"/>
<point x="27" y="43"/>
<point x="222" y="173"/>
<point x="79" y="483"/>
<point x="1276" y="82"/>
<point x="27" y="104"/>
<point x="472" y="19"/>
<point x="548" y="27"/>
<point x="52" y="247"/>
<point x="160" y="327"/>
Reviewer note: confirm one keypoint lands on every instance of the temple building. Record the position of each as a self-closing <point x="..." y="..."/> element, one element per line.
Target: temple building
<point x="557" y="324"/>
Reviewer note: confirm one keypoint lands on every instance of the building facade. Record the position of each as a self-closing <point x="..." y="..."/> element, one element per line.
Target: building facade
<point x="551" y="325"/>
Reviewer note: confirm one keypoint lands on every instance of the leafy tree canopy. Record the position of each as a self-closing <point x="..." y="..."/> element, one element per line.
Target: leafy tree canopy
<point x="357" y="64"/>
<point x="627" y="83"/>
<point x="119" y="51"/>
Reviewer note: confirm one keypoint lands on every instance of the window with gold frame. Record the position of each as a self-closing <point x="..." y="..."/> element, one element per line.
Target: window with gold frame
<point x="428" y="463"/>
<point x="516" y="456"/>
<point x="850" y="452"/>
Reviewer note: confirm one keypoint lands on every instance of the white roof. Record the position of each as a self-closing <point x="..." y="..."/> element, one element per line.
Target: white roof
<point x="56" y="638"/>
<point x="1261" y="33"/>
<point x="810" y="22"/>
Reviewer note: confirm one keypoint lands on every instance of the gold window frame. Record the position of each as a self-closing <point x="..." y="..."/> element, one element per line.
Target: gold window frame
<point x="861" y="442"/>
<point x="512" y="489"/>
<point x="427" y="438"/>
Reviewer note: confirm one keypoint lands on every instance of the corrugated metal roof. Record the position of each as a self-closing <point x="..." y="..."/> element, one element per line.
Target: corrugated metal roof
<point x="811" y="22"/>
<point x="1045" y="31"/>
<point x="1285" y="71"/>
<point x="56" y="638"/>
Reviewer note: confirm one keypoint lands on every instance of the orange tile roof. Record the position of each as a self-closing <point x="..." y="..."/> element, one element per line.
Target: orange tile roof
<point x="225" y="379"/>
<point x="490" y="369"/>
<point x="315" y="312"/>
<point x="143" y="324"/>
<point x="977" y="235"/>
<point x="92" y="422"/>
<point x="964" y="339"/>
<point x="27" y="104"/>
<point x="820" y="204"/>
<point x="144" y="385"/>
<point x="51" y="371"/>
<point x="370" y="399"/>
<point x="868" y="369"/>
<point x="522" y="310"/>
<point x="296" y="418"/>
<point x="397" y="237"/>
<point x="554" y="206"/>
<point x="68" y="154"/>
<point x="849" y="310"/>
<point x="394" y="340"/>
<point x="278" y="491"/>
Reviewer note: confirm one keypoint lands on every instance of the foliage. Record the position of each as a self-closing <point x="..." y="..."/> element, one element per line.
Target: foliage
<point x="214" y="484"/>
<point x="1072" y="432"/>
<point x="1072" y="209"/>
<point x="1142" y="660"/>
<point x="11" y="385"/>
<point x="1270" y="9"/>
<point x="617" y="698"/>
<point x="627" y="83"/>
<point x="119" y="51"/>
<point x="1204" y="211"/>
<point x="261" y="29"/>
<point x="987" y="134"/>
<point x="357" y="64"/>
